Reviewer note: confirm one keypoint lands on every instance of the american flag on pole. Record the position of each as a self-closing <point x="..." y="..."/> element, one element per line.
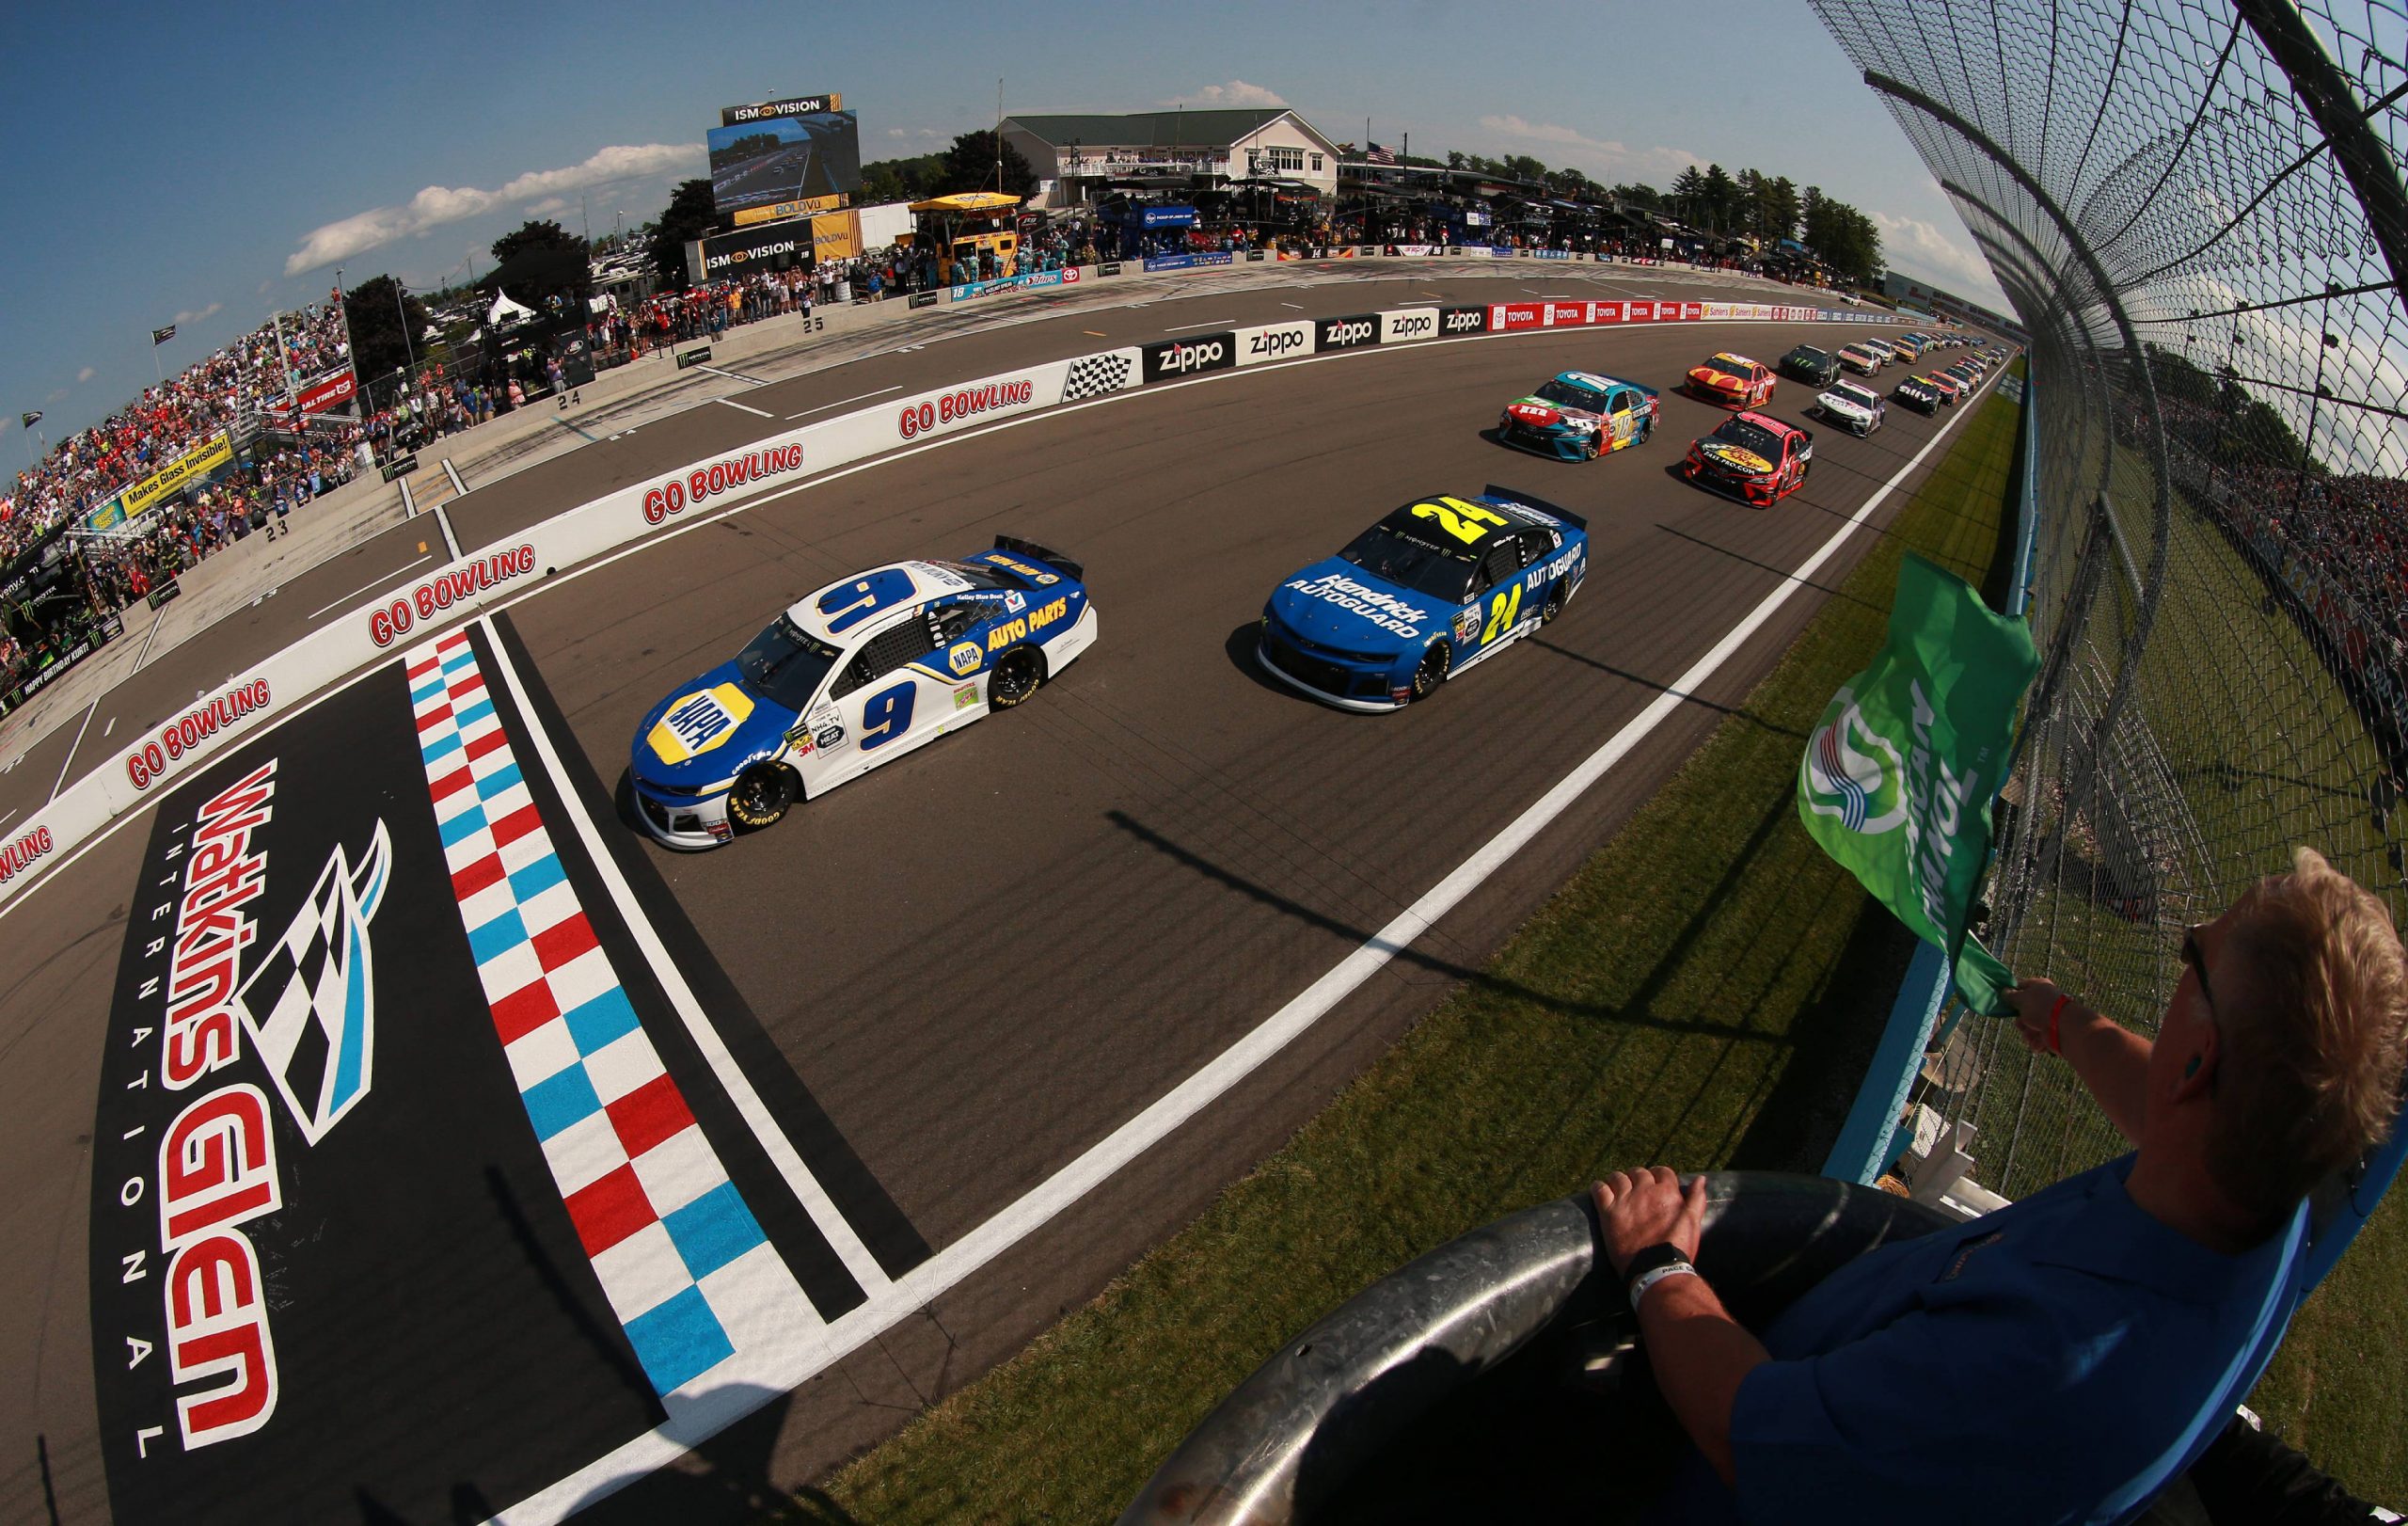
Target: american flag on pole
<point x="310" y="1005"/>
<point x="1374" y="154"/>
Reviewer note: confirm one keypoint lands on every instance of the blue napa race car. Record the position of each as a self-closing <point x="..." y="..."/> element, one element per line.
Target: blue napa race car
<point x="1439" y="585"/>
<point x="861" y="671"/>
<point x="1580" y="416"/>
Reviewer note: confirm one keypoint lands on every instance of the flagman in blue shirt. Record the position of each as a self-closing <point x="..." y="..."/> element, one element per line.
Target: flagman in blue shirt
<point x="2054" y="1361"/>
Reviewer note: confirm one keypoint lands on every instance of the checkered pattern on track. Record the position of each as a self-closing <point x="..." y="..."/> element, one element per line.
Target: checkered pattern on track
<point x="680" y="1256"/>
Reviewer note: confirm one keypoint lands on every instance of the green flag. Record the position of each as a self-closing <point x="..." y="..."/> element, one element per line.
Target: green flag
<point x="1898" y="778"/>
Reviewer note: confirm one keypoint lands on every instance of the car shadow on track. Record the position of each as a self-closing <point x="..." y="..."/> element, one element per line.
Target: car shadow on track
<point x="1240" y="649"/>
<point x="1496" y="437"/>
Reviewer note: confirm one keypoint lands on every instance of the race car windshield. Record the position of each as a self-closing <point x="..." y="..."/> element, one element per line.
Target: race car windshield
<point x="1857" y="395"/>
<point x="1412" y="564"/>
<point x="1806" y="355"/>
<point x="786" y="664"/>
<point x="1748" y="436"/>
<point x="1564" y="394"/>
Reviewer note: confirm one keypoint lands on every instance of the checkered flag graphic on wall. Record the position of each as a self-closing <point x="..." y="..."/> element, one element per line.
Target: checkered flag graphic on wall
<point x="1096" y="376"/>
<point x="310" y="1005"/>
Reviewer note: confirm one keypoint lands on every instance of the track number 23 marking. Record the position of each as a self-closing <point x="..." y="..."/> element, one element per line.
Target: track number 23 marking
<point x="1467" y="522"/>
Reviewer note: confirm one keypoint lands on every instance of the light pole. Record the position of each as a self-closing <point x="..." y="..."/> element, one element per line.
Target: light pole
<point x="350" y="353"/>
<point x="409" y="352"/>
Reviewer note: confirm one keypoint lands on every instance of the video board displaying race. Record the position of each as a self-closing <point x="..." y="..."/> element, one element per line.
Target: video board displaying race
<point x="774" y="159"/>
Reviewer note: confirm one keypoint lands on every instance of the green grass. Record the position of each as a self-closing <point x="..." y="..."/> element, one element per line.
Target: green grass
<point x="1705" y="992"/>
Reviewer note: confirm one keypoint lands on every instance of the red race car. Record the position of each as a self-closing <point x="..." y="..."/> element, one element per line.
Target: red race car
<point x="1752" y="457"/>
<point x="1731" y="380"/>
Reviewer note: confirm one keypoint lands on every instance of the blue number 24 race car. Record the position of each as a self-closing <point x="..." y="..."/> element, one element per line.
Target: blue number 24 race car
<point x="861" y="671"/>
<point x="1439" y="585"/>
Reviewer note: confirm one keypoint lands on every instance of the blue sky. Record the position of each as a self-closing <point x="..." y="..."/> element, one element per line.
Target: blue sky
<point x="207" y="164"/>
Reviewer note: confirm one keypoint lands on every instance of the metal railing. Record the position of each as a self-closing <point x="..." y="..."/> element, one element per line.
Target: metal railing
<point x="2196" y="211"/>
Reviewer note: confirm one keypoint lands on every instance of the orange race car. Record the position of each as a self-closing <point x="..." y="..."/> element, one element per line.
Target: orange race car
<point x="1754" y="457"/>
<point x="1731" y="380"/>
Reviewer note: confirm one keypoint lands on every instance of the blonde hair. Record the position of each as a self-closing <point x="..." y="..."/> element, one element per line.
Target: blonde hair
<point x="2313" y="1041"/>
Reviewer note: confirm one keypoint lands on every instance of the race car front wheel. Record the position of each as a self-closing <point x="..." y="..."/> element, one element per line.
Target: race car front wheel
<point x="1433" y="671"/>
<point x="1016" y="677"/>
<point x="763" y="795"/>
<point x="1554" y="605"/>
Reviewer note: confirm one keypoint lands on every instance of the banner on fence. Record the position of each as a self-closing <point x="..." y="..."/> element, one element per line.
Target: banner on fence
<point x="1186" y="261"/>
<point x="186" y="469"/>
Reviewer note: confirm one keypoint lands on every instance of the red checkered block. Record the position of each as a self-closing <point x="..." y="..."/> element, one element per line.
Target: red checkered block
<point x="679" y="1255"/>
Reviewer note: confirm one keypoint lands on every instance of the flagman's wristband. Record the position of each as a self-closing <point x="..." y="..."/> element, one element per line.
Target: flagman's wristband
<point x="1640" y="1284"/>
<point x="1642" y="1270"/>
<point x="2056" y="1010"/>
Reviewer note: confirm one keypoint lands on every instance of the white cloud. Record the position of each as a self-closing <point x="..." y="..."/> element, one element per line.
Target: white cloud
<point x="1612" y="155"/>
<point x="913" y="132"/>
<point x="439" y="204"/>
<point x="86" y="374"/>
<point x="1914" y="245"/>
<point x="1237" y="92"/>
<point x="191" y="317"/>
<point x="548" y="206"/>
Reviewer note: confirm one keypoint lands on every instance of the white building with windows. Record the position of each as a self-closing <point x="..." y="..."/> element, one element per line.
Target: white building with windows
<point x="1078" y="159"/>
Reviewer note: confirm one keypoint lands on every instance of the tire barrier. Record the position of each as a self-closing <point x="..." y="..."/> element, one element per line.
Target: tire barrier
<point x="671" y="501"/>
<point x="1286" y="1444"/>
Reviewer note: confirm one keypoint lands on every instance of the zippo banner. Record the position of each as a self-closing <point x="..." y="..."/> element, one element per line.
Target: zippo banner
<point x="175" y="747"/>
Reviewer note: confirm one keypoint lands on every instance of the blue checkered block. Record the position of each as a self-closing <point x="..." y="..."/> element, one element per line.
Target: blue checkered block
<point x="679" y="1255"/>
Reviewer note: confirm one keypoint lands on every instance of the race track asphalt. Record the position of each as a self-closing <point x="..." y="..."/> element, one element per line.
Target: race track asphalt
<point x="972" y="964"/>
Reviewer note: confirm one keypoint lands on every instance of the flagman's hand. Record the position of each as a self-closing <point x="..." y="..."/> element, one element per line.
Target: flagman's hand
<point x="2032" y="1001"/>
<point x="1647" y="1207"/>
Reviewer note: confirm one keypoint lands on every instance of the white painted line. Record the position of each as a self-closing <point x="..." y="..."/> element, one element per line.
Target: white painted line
<point x="746" y="407"/>
<point x="409" y="504"/>
<point x="1207" y="323"/>
<point x="107" y="730"/>
<point x="144" y="656"/>
<point x="378" y="581"/>
<point x="443" y="522"/>
<point x="734" y="376"/>
<point x="864" y="397"/>
<point x="732" y="1078"/>
<point x="4" y="820"/>
<point x="459" y="488"/>
<point x="917" y="1288"/>
<point x="69" y="761"/>
<point x="1298" y="305"/>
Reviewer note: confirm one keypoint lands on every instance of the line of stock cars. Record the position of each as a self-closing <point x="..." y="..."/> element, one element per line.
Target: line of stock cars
<point x="873" y="666"/>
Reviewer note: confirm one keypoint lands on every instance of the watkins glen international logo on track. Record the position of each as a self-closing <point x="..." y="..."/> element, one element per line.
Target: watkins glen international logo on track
<point x="202" y="980"/>
<point x="1854" y="773"/>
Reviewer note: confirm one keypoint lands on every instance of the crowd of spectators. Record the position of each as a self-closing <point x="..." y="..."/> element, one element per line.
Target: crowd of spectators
<point x="82" y="471"/>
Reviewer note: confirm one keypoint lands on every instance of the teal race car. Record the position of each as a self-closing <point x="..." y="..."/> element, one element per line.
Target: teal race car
<point x="1580" y="416"/>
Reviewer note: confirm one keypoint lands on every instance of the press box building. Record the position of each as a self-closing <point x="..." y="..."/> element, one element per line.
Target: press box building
<point x="1080" y="158"/>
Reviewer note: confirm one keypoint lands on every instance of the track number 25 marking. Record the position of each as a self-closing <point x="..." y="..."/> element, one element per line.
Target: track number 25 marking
<point x="1501" y="612"/>
<point x="1467" y="522"/>
<point x="887" y="716"/>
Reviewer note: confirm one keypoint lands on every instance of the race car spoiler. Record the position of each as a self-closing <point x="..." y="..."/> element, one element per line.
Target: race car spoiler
<point x="1529" y="501"/>
<point x="1017" y="547"/>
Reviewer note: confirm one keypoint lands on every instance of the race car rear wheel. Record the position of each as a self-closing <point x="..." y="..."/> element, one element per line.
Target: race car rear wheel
<point x="1017" y="674"/>
<point x="762" y="796"/>
<point x="1433" y="671"/>
<point x="1554" y="605"/>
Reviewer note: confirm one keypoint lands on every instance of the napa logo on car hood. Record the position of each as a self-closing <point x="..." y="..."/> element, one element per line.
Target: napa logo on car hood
<point x="698" y="722"/>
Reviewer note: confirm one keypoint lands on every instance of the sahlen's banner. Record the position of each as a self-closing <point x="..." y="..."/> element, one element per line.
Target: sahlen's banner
<point x="1898" y="776"/>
